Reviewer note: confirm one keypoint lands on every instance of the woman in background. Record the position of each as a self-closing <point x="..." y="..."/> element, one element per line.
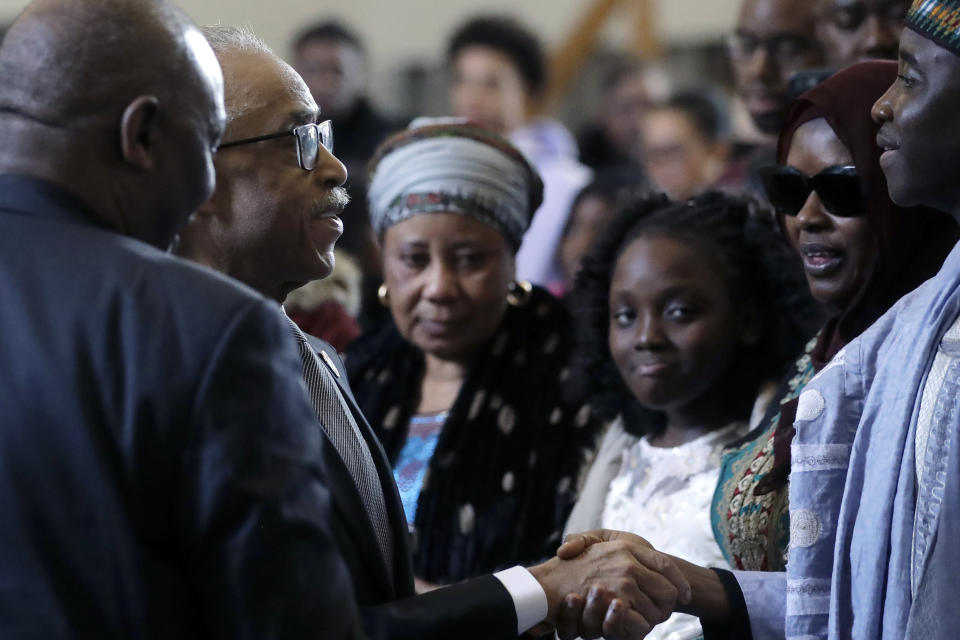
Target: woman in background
<point x="464" y="384"/>
<point x="684" y="145"/>
<point x="592" y="209"/>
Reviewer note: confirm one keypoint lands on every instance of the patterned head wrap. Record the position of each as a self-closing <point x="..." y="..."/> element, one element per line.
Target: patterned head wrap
<point x="451" y="166"/>
<point x="937" y="20"/>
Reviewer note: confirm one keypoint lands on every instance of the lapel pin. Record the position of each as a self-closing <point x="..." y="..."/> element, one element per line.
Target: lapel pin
<point x="329" y="362"/>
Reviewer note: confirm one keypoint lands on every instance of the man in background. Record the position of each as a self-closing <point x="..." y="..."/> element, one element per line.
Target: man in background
<point x="773" y="40"/>
<point x="332" y="60"/>
<point x="609" y="143"/>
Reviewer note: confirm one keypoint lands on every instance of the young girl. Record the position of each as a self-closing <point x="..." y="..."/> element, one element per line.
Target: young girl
<point x="685" y="311"/>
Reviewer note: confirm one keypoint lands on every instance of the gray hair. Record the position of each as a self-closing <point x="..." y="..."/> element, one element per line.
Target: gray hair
<point x="226" y="40"/>
<point x="234" y="39"/>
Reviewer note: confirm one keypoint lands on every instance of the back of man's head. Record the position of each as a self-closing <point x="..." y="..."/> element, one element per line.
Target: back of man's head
<point x="117" y="101"/>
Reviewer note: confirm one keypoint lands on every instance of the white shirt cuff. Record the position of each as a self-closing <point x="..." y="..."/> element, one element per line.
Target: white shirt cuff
<point x="529" y="598"/>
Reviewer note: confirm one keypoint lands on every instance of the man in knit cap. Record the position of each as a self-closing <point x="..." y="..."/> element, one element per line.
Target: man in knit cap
<point x="878" y="431"/>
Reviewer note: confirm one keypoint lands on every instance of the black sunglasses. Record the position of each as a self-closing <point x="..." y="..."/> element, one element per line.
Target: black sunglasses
<point x="838" y="188"/>
<point x="310" y="137"/>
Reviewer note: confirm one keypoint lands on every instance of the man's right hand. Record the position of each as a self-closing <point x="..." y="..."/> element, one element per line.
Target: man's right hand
<point x="708" y="599"/>
<point x="619" y="588"/>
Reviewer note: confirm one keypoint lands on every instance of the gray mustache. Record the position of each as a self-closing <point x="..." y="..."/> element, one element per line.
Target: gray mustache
<point x="338" y="197"/>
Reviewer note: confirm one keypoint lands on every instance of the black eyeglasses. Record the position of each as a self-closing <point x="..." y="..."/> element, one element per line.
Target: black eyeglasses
<point x="785" y="47"/>
<point x="838" y="188"/>
<point x="310" y="137"/>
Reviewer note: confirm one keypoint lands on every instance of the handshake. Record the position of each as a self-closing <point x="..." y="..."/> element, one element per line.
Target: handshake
<point x="610" y="584"/>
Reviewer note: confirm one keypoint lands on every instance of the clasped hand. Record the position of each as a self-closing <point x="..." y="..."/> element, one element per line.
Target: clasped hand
<point x="611" y="584"/>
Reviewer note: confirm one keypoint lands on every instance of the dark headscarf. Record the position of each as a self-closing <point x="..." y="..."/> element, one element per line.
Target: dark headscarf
<point x="912" y="243"/>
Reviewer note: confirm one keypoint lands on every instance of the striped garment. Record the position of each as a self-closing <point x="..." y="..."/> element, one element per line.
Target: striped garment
<point x="938" y="20"/>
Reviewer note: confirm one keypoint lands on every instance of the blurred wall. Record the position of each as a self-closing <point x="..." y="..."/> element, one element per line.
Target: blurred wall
<point x="398" y="32"/>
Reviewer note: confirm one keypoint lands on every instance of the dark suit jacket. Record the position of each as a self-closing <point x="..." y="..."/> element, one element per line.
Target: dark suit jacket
<point x="480" y="609"/>
<point x="160" y="467"/>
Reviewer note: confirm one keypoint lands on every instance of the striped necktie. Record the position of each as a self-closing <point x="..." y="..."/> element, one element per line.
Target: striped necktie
<point x="342" y="430"/>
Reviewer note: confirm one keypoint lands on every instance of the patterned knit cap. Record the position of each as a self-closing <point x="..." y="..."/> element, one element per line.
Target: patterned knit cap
<point x="937" y="20"/>
<point x="447" y="165"/>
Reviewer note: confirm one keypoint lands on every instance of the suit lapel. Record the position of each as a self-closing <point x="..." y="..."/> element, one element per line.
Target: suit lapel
<point x="403" y="569"/>
<point x="349" y="506"/>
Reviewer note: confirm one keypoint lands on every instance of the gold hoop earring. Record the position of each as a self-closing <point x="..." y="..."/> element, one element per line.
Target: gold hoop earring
<point x="518" y="293"/>
<point x="383" y="295"/>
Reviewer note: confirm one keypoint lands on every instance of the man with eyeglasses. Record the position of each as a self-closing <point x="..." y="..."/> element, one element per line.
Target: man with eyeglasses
<point x="272" y="223"/>
<point x="773" y="40"/>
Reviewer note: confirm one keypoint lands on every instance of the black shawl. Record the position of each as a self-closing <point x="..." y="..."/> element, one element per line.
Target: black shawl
<point x="503" y="477"/>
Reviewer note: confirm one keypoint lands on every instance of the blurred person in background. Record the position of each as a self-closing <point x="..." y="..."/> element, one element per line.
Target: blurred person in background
<point x="593" y="207"/>
<point x="464" y="384"/>
<point x="333" y="62"/>
<point x="773" y="40"/>
<point x="684" y="144"/>
<point x="851" y="31"/>
<point x="498" y="78"/>
<point x="327" y="308"/>
<point x="610" y="141"/>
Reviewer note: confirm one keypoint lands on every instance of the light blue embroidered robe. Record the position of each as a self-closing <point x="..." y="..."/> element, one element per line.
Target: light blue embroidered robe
<point x="873" y="553"/>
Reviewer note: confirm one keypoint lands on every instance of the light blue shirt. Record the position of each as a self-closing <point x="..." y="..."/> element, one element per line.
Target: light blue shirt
<point x="414" y="459"/>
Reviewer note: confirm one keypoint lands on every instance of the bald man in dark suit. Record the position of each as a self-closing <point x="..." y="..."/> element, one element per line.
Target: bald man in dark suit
<point x="161" y="472"/>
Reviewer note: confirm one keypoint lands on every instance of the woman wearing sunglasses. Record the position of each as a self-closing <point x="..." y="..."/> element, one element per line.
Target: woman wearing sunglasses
<point x="860" y="253"/>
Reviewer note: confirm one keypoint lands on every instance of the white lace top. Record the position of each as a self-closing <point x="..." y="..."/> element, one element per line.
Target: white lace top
<point x="664" y="495"/>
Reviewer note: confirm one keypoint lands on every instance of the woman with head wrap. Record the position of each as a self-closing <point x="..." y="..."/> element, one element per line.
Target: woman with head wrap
<point x="464" y="384"/>
<point x="861" y="253"/>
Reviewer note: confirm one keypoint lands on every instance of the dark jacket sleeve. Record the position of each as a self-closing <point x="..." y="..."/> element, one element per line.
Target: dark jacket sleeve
<point x="255" y="526"/>
<point x="477" y="609"/>
<point x="737" y="624"/>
